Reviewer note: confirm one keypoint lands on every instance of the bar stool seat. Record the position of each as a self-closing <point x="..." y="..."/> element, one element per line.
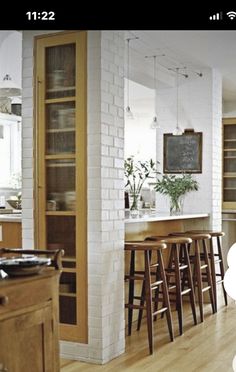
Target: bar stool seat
<point x="145" y="300"/>
<point x="216" y="258"/>
<point x="198" y="275"/>
<point x="175" y="270"/>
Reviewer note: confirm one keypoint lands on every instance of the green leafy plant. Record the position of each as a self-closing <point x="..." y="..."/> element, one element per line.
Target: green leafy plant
<point x="136" y="173"/>
<point x="176" y="187"/>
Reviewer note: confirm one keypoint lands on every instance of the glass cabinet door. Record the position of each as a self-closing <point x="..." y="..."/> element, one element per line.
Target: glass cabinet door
<point x="61" y="169"/>
<point x="229" y="163"/>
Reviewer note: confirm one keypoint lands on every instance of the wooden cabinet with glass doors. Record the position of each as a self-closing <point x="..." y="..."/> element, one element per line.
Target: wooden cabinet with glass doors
<point x="60" y="168"/>
<point x="229" y="163"/>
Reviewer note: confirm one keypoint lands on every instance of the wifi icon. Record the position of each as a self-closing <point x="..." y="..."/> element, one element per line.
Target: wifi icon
<point x="231" y="14"/>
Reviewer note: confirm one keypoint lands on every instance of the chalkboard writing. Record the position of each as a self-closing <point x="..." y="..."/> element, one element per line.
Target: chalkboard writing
<point x="183" y="153"/>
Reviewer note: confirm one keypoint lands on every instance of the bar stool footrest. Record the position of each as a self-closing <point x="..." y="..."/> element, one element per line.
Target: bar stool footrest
<point x="162" y="310"/>
<point x="206" y="288"/>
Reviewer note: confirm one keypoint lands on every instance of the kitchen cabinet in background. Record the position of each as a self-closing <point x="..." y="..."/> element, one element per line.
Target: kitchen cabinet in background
<point x="229" y="164"/>
<point x="10" y="235"/>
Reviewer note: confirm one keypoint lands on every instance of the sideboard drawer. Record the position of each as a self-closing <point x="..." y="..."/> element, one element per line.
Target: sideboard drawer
<point x="25" y="294"/>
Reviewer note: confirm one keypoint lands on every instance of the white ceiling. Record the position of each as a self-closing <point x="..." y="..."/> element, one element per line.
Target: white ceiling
<point x="195" y="49"/>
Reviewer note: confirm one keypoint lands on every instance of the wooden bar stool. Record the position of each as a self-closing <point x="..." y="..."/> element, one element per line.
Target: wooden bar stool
<point x="175" y="270"/>
<point x="145" y="301"/>
<point x="215" y="258"/>
<point x="198" y="274"/>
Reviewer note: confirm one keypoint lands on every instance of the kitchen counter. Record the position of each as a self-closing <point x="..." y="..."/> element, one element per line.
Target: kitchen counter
<point x="11" y="217"/>
<point x="163" y="224"/>
<point x="165" y="217"/>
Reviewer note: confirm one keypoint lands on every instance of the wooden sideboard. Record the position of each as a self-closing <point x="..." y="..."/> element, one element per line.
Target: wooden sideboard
<point x="29" y="323"/>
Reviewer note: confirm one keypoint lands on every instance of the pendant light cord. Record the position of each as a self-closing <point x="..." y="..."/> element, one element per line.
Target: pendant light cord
<point x="128" y="67"/>
<point x="128" y="40"/>
<point x="155" y="82"/>
<point x="177" y="98"/>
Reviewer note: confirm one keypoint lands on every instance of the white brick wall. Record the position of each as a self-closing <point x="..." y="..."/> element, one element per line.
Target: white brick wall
<point x="216" y="221"/>
<point x="199" y="108"/>
<point x="105" y="191"/>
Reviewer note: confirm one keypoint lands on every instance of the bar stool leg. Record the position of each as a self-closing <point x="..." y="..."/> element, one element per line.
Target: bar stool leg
<point x="131" y="291"/>
<point x="222" y="269"/>
<point x="148" y="298"/>
<point x="140" y="313"/>
<point x="168" y="277"/>
<point x="213" y="271"/>
<point x="199" y="279"/>
<point x="166" y="300"/>
<point x="179" y="301"/>
<point x="142" y="301"/>
<point x="190" y="283"/>
<point x="209" y="278"/>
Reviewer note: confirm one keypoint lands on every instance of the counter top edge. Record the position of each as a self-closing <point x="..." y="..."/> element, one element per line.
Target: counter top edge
<point x="160" y="217"/>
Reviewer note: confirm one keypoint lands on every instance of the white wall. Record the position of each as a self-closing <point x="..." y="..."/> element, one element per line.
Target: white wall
<point x="229" y="109"/>
<point x="105" y="191"/>
<point x="140" y="139"/>
<point x="11" y="56"/>
<point x="199" y="109"/>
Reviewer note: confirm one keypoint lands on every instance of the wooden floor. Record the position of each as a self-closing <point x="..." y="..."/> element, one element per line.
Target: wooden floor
<point x="206" y="347"/>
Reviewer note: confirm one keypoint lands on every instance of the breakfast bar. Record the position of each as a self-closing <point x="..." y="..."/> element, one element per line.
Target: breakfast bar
<point x="163" y="224"/>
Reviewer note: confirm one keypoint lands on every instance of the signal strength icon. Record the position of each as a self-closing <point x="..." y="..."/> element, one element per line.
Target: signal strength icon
<point x="216" y="17"/>
<point x="231" y="14"/>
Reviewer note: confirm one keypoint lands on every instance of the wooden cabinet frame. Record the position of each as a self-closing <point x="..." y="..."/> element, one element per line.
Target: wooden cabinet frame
<point x="79" y="331"/>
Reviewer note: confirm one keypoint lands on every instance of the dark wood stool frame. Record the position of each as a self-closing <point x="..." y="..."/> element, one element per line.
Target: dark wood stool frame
<point x="213" y="261"/>
<point x="146" y="301"/>
<point x="175" y="268"/>
<point x="198" y="267"/>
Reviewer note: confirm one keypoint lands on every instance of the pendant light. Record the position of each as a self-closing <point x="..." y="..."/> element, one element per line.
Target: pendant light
<point x="8" y="88"/>
<point x="178" y="131"/>
<point x="155" y="124"/>
<point x="128" y="111"/>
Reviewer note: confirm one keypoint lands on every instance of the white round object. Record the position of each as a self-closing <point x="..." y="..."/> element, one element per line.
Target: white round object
<point x="231" y="257"/>
<point x="234" y="364"/>
<point x="229" y="282"/>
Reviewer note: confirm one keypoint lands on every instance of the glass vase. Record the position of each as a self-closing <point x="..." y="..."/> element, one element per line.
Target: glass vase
<point x="134" y="204"/>
<point x="176" y="206"/>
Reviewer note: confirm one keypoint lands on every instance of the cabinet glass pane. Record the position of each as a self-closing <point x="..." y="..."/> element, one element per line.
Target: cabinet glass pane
<point x="67" y="310"/>
<point x="229" y="195"/>
<point x="68" y="283"/>
<point x="61" y="234"/>
<point x="230" y="182"/>
<point x="66" y="263"/>
<point x="230" y="144"/>
<point x="229" y="132"/>
<point x="229" y="189"/>
<point x="60" y="128"/>
<point x="60" y="116"/>
<point x="60" y="190"/>
<point x="60" y="71"/>
<point x="229" y="165"/>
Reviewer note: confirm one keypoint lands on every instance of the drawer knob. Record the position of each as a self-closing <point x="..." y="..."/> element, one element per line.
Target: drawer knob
<point x="4" y="300"/>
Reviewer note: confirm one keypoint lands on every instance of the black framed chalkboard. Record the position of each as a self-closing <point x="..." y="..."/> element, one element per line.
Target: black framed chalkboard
<point x="183" y="153"/>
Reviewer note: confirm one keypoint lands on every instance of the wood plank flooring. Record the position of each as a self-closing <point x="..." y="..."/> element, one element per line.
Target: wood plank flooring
<point x="206" y="347"/>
